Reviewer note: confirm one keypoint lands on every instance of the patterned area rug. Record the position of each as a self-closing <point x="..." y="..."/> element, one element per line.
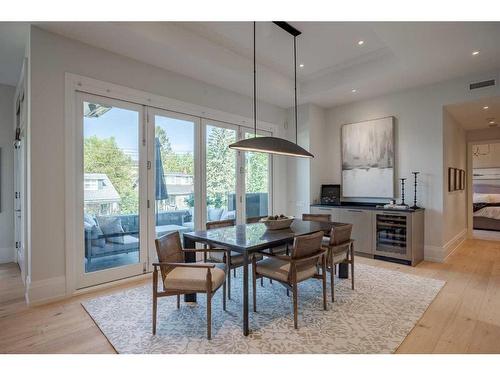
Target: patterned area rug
<point x="374" y="318"/>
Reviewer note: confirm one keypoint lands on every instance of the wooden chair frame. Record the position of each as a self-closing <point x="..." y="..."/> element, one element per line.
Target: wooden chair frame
<point x="292" y="283"/>
<point x="331" y="266"/>
<point x="172" y="292"/>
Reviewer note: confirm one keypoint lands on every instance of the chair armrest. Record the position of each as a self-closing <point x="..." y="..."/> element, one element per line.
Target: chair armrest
<point x="186" y="265"/>
<point x="277" y="256"/>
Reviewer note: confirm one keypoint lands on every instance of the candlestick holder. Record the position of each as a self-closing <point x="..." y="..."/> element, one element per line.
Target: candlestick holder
<point x="403" y="191"/>
<point x="414" y="207"/>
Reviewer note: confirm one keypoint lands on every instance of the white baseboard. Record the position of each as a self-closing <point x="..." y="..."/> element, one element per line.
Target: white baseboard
<point x="439" y="254"/>
<point x="7" y="255"/>
<point x="44" y="291"/>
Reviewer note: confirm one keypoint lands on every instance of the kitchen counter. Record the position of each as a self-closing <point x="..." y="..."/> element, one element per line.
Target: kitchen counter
<point x="364" y="206"/>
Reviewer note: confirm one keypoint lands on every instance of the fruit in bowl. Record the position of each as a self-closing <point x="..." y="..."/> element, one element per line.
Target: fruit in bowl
<point x="277" y="222"/>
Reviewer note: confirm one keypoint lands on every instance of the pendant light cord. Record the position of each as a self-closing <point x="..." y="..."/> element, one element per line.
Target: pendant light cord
<point x="295" y="88"/>
<point x="254" y="86"/>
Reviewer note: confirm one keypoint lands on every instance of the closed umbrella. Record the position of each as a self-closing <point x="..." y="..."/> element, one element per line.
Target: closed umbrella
<point x="160" y="185"/>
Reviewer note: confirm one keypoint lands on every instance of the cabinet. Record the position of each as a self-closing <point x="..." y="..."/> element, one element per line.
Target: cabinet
<point x="362" y="228"/>
<point x="394" y="235"/>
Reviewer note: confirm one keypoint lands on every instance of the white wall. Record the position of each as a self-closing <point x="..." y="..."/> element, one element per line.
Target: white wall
<point x="51" y="57"/>
<point x="488" y="157"/>
<point x="305" y="176"/>
<point x="454" y="203"/>
<point x="419" y="144"/>
<point x="7" y="174"/>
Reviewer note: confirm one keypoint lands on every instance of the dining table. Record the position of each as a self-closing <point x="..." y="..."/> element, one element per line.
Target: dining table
<point x="247" y="239"/>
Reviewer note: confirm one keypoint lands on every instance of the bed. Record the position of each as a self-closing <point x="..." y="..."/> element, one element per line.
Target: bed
<point x="486" y="199"/>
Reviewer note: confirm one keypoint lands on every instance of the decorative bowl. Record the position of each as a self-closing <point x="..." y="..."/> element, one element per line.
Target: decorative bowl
<point x="276" y="224"/>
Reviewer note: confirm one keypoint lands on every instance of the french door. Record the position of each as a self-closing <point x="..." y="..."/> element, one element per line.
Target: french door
<point x="112" y="188"/>
<point x="146" y="172"/>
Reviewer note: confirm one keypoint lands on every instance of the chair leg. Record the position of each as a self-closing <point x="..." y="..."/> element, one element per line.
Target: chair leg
<point x="323" y="276"/>
<point x="178" y="301"/>
<point x="262" y="281"/>
<point x="270" y="281"/>
<point x="155" y="298"/>
<point x="332" y="281"/>
<point x="295" y="306"/>
<point x="287" y="293"/>
<point x="234" y="272"/>
<point x="352" y="266"/>
<point x="229" y="283"/>
<point x="209" y="315"/>
<point x="254" y="285"/>
<point x="224" y="296"/>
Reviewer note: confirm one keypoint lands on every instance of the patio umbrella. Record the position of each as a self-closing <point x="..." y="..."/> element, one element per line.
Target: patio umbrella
<point x="160" y="185"/>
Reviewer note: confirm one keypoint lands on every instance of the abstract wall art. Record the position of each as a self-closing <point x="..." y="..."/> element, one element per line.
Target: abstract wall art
<point x="368" y="159"/>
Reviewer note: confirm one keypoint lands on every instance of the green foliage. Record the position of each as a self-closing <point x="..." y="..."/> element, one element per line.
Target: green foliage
<point x="257" y="172"/>
<point x="221" y="166"/>
<point x="172" y="162"/>
<point x="104" y="156"/>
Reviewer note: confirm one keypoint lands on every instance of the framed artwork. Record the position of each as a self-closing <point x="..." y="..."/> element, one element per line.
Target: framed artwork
<point x="456" y="179"/>
<point x="451" y="180"/>
<point x="462" y="179"/>
<point x="368" y="159"/>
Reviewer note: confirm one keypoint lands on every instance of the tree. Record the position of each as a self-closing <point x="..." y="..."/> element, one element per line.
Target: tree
<point x="102" y="155"/>
<point x="257" y="172"/>
<point x="173" y="162"/>
<point x="221" y="164"/>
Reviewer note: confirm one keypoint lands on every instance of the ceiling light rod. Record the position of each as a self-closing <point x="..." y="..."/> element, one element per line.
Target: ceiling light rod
<point x="273" y="145"/>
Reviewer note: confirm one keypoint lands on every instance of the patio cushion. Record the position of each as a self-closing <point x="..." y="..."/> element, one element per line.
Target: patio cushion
<point x="130" y="243"/>
<point x="191" y="279"/>
<point x="111" y="225"/>
<point x="278" y="269"/>
<point x="214" y="214"/>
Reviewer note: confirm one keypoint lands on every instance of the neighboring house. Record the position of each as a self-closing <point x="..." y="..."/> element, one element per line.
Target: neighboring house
<point x="179" y="187"/>
<point x="100" y="196"/>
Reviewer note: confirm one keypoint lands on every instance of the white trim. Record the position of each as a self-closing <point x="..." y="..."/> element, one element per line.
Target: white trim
<point x="440" y="254"/>
<point x="96" y="87"/>
<point x="7" y="255"/>
<point x="453" y="244"/>
<point x="45" y="291"/>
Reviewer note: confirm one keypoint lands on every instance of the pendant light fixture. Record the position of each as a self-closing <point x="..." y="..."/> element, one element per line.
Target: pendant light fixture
<point x="274" y="145"/>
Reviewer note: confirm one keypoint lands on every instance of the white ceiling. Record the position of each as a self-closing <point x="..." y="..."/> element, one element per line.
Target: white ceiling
<point x="13" y="38"/>
<point x="395" y="55"/>
<point x="472" y="115"/>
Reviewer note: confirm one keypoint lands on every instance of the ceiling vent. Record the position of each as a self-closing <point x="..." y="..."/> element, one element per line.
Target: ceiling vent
<point x="479" y="85"/>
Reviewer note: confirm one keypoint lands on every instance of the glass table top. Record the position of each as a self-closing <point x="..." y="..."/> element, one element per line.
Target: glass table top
<point x="256" y="236"/>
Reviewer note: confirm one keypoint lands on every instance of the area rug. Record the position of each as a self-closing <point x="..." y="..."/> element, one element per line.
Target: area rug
<point x="373" y="318"/>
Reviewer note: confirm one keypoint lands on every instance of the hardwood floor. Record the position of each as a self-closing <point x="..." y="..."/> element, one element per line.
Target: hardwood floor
<point x="464" y="317"/>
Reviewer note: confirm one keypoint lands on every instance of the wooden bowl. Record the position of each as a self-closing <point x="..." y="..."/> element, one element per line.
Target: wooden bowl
<point x="277" y="224"/>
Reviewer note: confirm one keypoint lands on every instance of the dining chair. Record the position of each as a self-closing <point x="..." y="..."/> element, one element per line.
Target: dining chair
<point x="232" y="259"/>
<point x="290" y="270"/>
<point x="317" y="217"/>
<point x="180" y="278"/>
<point x="340" y="249"/>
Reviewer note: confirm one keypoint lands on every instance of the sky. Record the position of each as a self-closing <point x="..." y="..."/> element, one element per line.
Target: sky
<point x="123" y="124"/>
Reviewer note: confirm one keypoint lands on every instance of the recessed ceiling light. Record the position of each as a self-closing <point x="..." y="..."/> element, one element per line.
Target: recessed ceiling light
<point x="361" y="42"/>
<point x="354" y="90"/>
<point x="301" y="65"/>
<point x="491" y="122"/>
<point x="474" y="53"/>
<point x="486" y="107"/>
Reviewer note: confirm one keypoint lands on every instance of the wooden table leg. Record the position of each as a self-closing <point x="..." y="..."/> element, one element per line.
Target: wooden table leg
<point x="189" y="257"/>
<point x="245" y="294"/>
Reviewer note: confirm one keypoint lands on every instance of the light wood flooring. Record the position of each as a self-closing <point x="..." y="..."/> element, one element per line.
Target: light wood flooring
<point x="464" y="317"/>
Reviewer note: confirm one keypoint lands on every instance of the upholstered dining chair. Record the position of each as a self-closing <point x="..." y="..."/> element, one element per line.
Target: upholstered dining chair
<point x="291" y="270"/>
<point x="340" y="249"/>
<point x="180" y="278"/>
<point x="232" y="259"/>
<point x="317" y="217"/>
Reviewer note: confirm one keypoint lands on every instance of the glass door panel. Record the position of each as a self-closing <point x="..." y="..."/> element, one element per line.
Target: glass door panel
<point x="113" y="187"/>
<point x="220" y="167"/>
<point x="174" y="173"/>
<point x="257" y="182"/>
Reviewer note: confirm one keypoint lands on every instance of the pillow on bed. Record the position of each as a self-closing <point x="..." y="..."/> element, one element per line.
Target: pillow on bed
<point x="486" y="198"/>
<point x="481" y="198"/>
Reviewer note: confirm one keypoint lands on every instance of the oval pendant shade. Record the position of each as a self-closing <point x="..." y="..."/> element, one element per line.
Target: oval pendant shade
<point x="271" y="145"/>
